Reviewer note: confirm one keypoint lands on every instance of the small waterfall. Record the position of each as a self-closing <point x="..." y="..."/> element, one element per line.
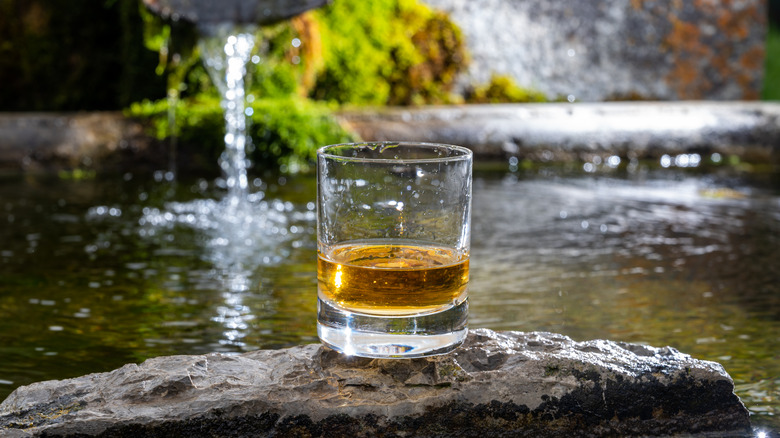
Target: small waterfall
<point x="243" y="230"/>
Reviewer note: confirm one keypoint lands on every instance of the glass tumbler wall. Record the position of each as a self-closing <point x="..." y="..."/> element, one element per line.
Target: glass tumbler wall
<point x="393" y="234"/>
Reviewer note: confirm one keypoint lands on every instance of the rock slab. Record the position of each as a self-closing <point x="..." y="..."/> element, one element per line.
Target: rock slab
<point x="496" y="384"/>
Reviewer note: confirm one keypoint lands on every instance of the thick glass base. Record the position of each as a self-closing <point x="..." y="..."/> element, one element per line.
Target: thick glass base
<point x="358" y="334"/>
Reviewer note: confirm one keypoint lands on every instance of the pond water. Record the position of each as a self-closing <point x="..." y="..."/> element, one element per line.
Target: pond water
<point x="99" y="272"/>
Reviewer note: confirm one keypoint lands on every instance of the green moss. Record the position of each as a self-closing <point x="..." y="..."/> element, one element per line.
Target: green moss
<point x="381" y="52"/>
<point x="288" y="131"/>
<point x="772" y="68"/>
<point x="285" y="132"/>
<point x="502" y="89"/>
<point x="387" y="52"/>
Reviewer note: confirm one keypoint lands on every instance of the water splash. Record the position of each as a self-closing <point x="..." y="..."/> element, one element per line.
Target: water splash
<point x="242" y="231"/>
<point x="237" y="240"/>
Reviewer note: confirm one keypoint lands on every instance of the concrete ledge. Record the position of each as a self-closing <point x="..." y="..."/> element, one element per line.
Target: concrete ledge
<point x="497" y="384"/>
<point x="562" y="131"/>
<point x="550" y="131"/>
<point x="55" y="141"/>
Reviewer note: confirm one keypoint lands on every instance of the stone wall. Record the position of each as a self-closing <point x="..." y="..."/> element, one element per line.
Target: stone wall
<point x="617" y="49"/>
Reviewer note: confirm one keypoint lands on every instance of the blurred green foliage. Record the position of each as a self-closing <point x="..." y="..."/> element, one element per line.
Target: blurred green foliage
<point x="72" y="55"/>
<point x="771" y="89"/>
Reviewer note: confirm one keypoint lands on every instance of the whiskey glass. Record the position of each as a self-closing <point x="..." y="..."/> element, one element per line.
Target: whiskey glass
<point x="393" y="237"/>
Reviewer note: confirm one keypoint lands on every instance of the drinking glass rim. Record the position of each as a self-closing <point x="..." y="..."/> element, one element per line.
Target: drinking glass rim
<point x="464" y="153"/>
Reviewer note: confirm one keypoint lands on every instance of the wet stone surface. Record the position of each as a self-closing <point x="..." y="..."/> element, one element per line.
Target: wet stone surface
<point x="497" y="384"/>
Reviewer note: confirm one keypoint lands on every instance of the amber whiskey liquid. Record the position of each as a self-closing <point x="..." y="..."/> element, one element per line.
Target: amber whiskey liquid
<point x="392" y="278"/>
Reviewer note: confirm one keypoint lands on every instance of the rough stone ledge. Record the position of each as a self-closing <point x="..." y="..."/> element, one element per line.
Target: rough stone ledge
<point x="497" y="384"/>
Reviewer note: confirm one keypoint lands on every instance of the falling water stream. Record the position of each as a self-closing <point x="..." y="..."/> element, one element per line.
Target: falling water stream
<point x="225" y="49"/>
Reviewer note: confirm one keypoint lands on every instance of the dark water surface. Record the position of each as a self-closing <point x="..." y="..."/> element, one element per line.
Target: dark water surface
<point x="100" y="272"/>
